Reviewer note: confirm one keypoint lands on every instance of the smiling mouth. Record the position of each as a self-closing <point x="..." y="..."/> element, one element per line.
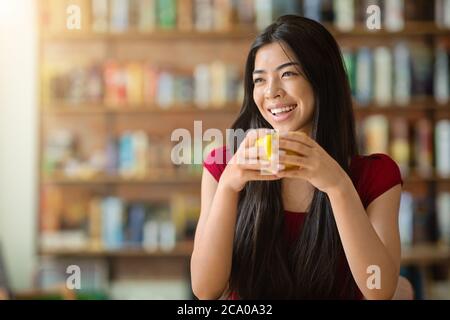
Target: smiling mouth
<point x="282" y="110"/>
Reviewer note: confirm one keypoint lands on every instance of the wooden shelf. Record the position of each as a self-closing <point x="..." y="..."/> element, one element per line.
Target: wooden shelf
<point x="416" y="105"/>
<point x="159" y="179"/>
<point x="426" y="105"/>
<point x="181" y="178"/>
<point x="183" y="249"/>
<point x="158" y="35"/>
<point x="416" y="28"/>
<point x="64" y="109"/>
<point x="425" y="254"/>
<point x="412" y="28"/>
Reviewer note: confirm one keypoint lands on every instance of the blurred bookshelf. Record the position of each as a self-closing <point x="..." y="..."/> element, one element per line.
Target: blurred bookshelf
<point x="113" y="92"/>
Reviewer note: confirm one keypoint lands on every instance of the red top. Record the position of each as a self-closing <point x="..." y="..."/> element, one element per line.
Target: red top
<point x="371" y="175"/>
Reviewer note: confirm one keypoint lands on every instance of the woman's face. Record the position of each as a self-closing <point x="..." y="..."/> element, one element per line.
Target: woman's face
<point x="283" y="95"/>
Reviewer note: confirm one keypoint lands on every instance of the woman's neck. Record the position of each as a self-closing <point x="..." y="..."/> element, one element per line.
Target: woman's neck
<point x="297" y="194"/>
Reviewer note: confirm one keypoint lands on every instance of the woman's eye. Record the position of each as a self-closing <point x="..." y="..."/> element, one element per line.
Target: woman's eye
<point x="257" y="80"/>
<point x="288" y="74"/>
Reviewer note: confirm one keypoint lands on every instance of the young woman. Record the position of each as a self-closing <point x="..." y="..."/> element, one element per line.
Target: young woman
<point x="328" y="229"/>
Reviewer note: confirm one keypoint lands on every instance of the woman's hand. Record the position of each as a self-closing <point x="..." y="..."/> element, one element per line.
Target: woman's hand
<point x="248" y="163"/>
<point x="312" y="163"/>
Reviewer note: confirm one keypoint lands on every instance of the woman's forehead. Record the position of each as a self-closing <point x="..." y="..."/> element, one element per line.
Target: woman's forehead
<point x="273" y="54"/>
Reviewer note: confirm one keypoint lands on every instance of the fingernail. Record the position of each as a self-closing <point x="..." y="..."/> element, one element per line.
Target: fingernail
<point x="282" y="153"/>
<point x="280" y="167"/>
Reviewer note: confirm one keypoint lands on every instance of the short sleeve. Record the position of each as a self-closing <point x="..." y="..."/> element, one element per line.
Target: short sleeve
<point x="383" y="174"/>
<point x="216" y="161"/>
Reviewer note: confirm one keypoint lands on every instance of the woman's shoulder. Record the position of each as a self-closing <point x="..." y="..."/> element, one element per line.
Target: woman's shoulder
<point x="216" y="161"/>
<point x="373" y="175"/>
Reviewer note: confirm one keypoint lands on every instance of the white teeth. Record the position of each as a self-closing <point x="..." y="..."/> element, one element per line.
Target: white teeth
<point x="282" y="109"/>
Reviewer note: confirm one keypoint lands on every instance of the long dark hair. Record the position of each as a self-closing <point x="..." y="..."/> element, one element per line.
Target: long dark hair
<point x="264" y="266"/>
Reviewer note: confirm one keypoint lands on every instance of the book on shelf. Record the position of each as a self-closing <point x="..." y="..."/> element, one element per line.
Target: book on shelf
<point x="64" y="219"/>
<point x="312" y="9"/>
<point x="244" y="12"/>
<point x="119" y="16"/>
<point x="344" y="15"/>
<point x="89" y="221"/>
<point x="442" y="142"/>
<point x="394" y="15"/>
<point x="135" y="85"/>
<point x="51" y="202"/>
<point x="382" y="92"/>
<point x="99" y="13"/>
<point x="442" y="13"/>
<point x="283" y="7"/>
<point x="53" y="273"/>
<point x="95" y="223"/>
<point x="166" y="11"/>
<point x="406" y="222"/>
<point x="167" y="236"/>
<point x="416" y="219"/>
<point x="204" y="15"/>
<point x="443" y="217"/>
<point x="112" y="222"/>
<point x="220" y="15"/>
<point x="364" y="76"/>
<point x="350" y="67"/>
<point x="399" y="144"/>
<point x="147" y="15"/>
<point x="263" y="13"/>
<point x="376" y="134"/>
<point x="119" y="84"/>
<point x="423" y="219"/>
<point x="201" y="81"/>
<point x="441" y="75"/>
<point x="223" y="15"/>
<point x="126" y="155"/>
<point x="133" y="15"/>
<point x="402" y="74"/>
<point x="133" y="155"/>
<point x="165" y="97"/>
<point x="136" y="219"/>
<point x="393" y="75"/>
<point x="185" y="210"/>
<point x="409" y="144"/>
<point x="422" y="70"/>
<point x="185" y="13"/>
<point x="423" y="146"/>
<point x="59" y="149"/>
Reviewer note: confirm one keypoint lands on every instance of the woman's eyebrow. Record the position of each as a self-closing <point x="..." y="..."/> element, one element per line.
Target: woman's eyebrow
<point x="281" y="66"/>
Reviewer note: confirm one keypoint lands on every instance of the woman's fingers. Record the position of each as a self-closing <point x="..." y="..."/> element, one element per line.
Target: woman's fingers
<point x="259" y="165"/>
<point x="256" y="153"/>
<point x="299" y="137"/>
<point x="256" y="176"/>
<point x="294" y="146"/>
<point x="293" y="160"/>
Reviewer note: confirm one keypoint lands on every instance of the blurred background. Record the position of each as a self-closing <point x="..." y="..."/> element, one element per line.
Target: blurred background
<point x="91" y="91"/>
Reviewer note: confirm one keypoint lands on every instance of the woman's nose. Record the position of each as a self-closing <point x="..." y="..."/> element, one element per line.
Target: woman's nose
<point x="273" y="90"/>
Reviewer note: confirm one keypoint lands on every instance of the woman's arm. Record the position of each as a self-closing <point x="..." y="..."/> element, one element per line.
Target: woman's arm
<point x="213" y="245"/>
<point x="370" y="239"/>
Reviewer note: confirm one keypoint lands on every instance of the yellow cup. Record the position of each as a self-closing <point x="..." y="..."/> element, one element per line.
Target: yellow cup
<point x="268" y="143"/>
